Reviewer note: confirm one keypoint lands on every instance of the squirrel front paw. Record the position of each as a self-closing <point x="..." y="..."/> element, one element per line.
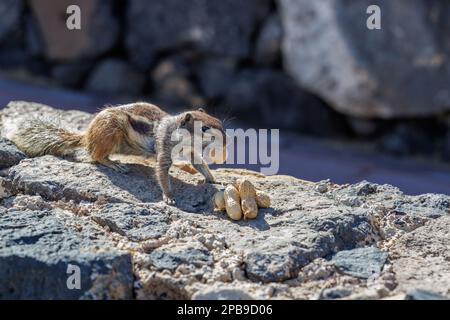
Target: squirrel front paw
<point x="169" y="200"/>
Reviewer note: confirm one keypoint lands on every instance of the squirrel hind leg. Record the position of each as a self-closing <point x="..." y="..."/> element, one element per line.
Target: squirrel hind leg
<point x="101" y="145"/>
<point x="104" y="135"/>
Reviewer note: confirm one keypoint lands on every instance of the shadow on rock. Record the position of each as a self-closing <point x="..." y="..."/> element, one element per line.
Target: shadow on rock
<point x="141" y="182"/>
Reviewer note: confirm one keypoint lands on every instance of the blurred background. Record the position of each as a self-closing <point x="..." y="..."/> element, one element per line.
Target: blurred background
<point x="351" y="103"/>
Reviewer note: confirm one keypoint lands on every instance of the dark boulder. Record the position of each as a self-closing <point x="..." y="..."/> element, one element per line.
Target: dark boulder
<point x="39" y="251"/>
<point x="222" y="28"/>
<point x="98" y="34"/>
<point x="279" y="102"/>
<point x="115" y="77"/>
<point x="9" y="154"/>
<point x="10" y="15"/>
<point x="399" y="70"/>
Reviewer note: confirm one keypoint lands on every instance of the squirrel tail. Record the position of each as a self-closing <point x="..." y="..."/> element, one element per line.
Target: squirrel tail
<point x="38" y="137"/>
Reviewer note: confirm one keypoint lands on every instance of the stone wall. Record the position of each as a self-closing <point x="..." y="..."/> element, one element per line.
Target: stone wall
<point x="307" y="66"/>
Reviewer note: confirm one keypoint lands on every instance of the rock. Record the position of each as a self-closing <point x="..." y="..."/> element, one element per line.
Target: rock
<point x="85" y="182"/>
<point x="9" y="154"/>
<point x="446" y="149"/>
<point x="224" y="29"/>
<point x="367" y="189"/>
<point x="10" y="12"/>
<point x="361" y="262"/>
<point x="362" y="127"/>
<point x="398" y="216"/>
<point x="172" y="84"/>
<point x="215" y="76"/>
<point x="68" y="45"/>
<point x="329" y="50"/>
<point x="420" y="258"/>
<point x="319" y="237"/>
<point x="222" y="294"/>
<point x="34" y="42"/>
<point x="407" y="139"/>
<point x="278" y="101"/>
<point x="57" y="179"/>
<point x="430" y="206"/>
<point x="322" y="187"/>
<point x="419" y="294"/>
<point x="335" y="293"/>
<point x="70" y="74"/>
<point x="268" y="45"/>
<point x="5" y="188"/>
<point x="38" y="246"/>
<point x="13" y="58"/>
<point x="129" y="243"/>
<point x="134" y="222"/>
<point x="115" y="77"/>
<point x="170" y="257"/>
<point x="363" y="192"/>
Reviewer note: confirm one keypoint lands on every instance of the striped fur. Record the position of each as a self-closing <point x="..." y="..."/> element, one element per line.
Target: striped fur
<point x="136" y="129"/>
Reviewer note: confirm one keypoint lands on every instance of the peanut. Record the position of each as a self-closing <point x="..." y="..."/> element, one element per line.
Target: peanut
<point x="247" y="193"/>
<point x="262" y="199"/>
<point x="219" y="201"/>
<point x="232" y="202"/>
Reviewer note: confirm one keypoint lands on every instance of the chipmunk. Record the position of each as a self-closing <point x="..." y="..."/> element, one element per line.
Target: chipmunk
<point x="133" y="129"/>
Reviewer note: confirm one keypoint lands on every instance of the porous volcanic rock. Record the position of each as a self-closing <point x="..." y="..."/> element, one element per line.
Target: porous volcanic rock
<point x="129" y="243"/>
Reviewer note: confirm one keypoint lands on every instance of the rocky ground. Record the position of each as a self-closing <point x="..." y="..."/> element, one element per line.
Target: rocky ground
<point x="317" y="241"/>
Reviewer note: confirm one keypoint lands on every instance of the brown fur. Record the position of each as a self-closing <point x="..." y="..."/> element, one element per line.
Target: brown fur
<point x="136" y="129"/>
<point x="146" y="110"/>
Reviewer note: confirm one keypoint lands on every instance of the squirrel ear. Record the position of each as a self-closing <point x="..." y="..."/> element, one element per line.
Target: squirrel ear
<point x="187" y="118"/>
<point x="201" y="110"/>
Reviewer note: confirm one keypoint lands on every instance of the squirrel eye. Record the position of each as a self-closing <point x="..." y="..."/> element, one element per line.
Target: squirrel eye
<point x="205" y="128"/>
